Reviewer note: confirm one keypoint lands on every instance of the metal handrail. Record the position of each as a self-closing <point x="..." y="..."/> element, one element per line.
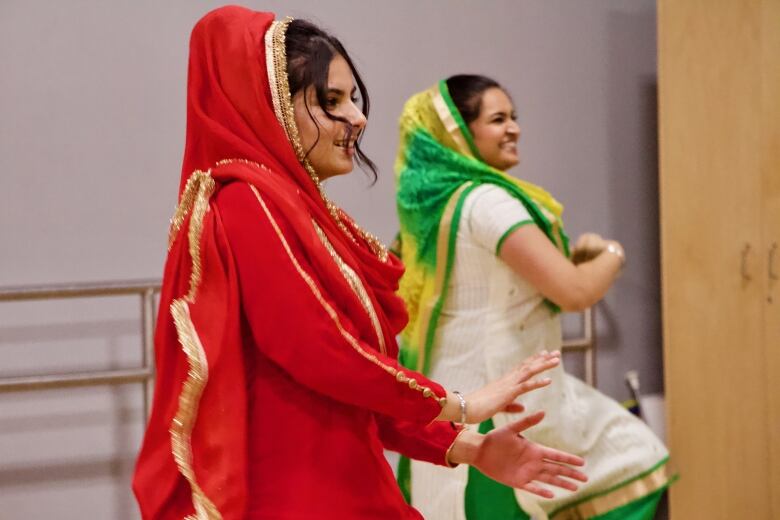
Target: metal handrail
<point x="145" y="289"/>
<point x="585" y="344"/>
<point x="77" y="290"/>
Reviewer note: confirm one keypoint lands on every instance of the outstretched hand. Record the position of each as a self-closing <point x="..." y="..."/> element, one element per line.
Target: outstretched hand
<point x="499" y="395"/>
<point x="509" y="458"/>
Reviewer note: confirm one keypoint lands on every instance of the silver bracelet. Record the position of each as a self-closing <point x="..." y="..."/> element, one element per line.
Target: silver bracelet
<point x="462" y="401"/>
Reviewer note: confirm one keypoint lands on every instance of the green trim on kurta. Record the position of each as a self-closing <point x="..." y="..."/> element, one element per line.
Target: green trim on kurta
<point x="509" y="231"/>
<point x="487" y="499"/>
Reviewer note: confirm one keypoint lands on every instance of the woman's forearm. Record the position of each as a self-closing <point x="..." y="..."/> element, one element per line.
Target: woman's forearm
<point x="530" y="254"/>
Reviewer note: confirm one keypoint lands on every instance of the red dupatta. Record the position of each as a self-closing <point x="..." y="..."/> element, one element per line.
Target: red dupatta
<point x="195" y="443"/>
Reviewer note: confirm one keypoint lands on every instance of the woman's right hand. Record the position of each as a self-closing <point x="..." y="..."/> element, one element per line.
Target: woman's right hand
<point x="499" y="395"/>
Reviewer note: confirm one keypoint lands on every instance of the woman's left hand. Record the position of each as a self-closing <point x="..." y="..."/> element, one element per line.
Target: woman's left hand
<point x="587" y="247"/>
<point x="499" y="395"/>
<point x="509" y="458"/>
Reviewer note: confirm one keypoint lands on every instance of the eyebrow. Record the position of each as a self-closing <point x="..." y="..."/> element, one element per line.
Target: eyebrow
<point x="340" y="92"/>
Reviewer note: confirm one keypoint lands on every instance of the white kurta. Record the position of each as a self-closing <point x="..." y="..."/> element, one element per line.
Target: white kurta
<point x="492" y="320"/>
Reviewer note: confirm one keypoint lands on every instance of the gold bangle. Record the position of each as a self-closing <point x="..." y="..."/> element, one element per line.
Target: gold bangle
<point x="447" y="453"/>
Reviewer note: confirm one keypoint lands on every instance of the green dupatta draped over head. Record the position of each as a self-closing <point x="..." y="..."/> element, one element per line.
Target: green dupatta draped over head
<point x="436" y="168"/>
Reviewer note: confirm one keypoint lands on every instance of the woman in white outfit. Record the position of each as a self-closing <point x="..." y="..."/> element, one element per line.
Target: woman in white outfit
<point x="488" y="271"/>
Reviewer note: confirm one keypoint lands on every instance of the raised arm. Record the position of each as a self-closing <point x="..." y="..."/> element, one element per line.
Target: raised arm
<point x="530" y="254"/>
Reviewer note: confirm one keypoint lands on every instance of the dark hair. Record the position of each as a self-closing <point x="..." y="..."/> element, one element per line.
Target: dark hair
<point x="466" y="92"/>
<point x="309" y="53"/>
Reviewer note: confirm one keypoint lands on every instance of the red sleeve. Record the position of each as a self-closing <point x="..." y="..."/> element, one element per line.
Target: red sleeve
<point x="429" y="444"/>
<point x="297" y="325"/>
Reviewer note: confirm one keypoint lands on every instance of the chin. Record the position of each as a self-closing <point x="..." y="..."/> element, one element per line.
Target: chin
<point x="336" y="171"/>
<point x="511" y="162"/>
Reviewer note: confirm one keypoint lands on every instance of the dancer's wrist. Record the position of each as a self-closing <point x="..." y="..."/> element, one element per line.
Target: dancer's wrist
<point x="465" y="448"/>
<point x="452" y="410"/>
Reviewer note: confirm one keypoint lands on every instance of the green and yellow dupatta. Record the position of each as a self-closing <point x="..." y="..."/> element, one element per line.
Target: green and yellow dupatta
<point x="437" y="166"/>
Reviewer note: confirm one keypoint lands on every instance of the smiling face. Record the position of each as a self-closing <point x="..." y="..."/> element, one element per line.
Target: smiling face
<point x="496" y="131"/>
<point x="330" y="143"/>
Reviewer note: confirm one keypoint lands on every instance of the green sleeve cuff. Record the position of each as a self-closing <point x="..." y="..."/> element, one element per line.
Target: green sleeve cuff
<point x="509" y="231"/>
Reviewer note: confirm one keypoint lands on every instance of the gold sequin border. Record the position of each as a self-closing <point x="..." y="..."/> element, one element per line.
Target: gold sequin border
<point x="281" y="98"/>
<point x="276" y="65"/>
<point x="399" y="375"/>
<point x="355" y="283"/>
<point x="599" y="505"/>
<point x="195" y="198"/>
<point x="189" y="399"/>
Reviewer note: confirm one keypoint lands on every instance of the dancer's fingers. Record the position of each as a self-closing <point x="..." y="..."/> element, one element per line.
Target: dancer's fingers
<point x="557" y="482"/>
<point x="562" y="457"/>
<point x="562" y="470"/>
<point x="538" y="490"/>
<point x="526" y="422"/>
<point x="534" y="384"/>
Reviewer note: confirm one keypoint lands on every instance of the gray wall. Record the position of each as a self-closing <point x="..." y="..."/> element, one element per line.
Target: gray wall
<point x="91" y="136"/>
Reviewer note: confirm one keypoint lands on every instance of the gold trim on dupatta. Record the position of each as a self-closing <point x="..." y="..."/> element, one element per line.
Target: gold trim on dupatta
<point x="357" y="286"/>
<point x="194" y="200"/>
<point x="399" y="375"/>
<point x="276" y="64"/>
<point x="449" y="122"/>
<point x="442" y="247"/>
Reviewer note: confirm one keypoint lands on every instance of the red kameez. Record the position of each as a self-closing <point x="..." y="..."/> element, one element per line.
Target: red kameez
<point x="276" y="388"/>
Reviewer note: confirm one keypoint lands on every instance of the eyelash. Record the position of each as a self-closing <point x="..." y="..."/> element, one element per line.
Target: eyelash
<point x="332" y="102"/>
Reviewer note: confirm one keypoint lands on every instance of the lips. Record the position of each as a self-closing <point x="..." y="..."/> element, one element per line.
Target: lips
<point x="345" y="143"/>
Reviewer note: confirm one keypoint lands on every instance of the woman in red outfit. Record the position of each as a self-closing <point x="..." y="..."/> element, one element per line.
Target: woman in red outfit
<point x="277" y="382"/>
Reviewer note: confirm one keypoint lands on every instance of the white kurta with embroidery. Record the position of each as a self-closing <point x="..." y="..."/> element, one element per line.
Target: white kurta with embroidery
<point x="493" y="319"/>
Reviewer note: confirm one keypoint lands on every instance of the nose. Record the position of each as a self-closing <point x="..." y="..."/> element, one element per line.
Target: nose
<point x="514" y="129"/>
<point x="356" y="117"/>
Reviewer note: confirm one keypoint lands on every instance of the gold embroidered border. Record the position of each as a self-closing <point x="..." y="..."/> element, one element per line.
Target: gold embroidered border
<point x="195" y="198"/>
<point x="621" y="496"/>
<point x="189" y="399"/>
<point x="442" y="246"/>
<point x="279" y="84"/>
<point x="186" y="201"/>
<point x="199" y="209"/>
<point x="276" y="64"/>
<point x="449" y="122"/>
<point x="399" y="375"/>
<point x="357" y="287"/>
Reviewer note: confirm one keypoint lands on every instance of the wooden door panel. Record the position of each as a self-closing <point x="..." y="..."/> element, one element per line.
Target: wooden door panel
<point x="710" y="103"/>
<point x="770" y="169"/>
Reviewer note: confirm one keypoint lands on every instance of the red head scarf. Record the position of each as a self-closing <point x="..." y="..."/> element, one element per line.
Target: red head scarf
<point x="195" y="443"/>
